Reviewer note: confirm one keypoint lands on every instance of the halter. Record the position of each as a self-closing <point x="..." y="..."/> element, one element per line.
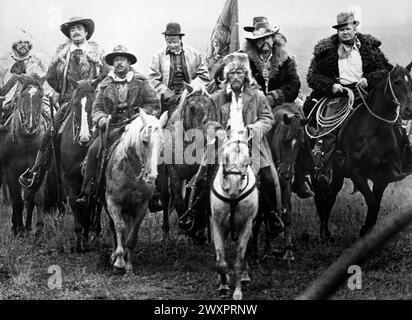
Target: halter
<point x="394" y="100"/>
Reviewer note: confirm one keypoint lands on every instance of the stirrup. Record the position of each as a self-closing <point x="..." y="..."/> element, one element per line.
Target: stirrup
<point x="25" y="182"/>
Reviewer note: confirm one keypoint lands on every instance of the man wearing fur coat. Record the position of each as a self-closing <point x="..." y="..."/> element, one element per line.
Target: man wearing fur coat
<point x="344" y="59"/>
<point x="77" y="59"/>
<point x="276" y="74"/>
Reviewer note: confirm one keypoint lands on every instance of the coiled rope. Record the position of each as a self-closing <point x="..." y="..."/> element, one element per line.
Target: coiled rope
<point x="334" y="121"/>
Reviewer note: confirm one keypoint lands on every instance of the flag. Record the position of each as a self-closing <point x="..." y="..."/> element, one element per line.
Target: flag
<point x="225" y="36"/>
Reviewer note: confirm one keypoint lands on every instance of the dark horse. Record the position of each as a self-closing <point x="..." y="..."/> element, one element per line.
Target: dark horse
<point x="74" y="142"/>
<point x="20" y="139"/>
<point x="181" y="131"/>
<point x="286" y="139"/>
<point x="369" y="148"/>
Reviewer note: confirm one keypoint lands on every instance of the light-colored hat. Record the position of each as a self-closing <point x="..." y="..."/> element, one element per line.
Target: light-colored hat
<point x="22" y="35"/>
<point x="87" y="23"/>
<point x="345" y="18"/>
<point x="256" y="20"/>
<point x="120" y="51"/>
<point x="263" y="29"/>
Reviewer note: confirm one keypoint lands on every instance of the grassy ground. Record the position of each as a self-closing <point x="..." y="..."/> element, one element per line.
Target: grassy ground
<point x="175" y="270"/>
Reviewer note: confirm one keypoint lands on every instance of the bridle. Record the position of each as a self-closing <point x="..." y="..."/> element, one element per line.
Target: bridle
<point x="394" y="100"/>
<point x="22" y="116"/>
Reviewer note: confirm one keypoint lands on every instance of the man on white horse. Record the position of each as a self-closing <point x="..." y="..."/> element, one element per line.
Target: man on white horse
<point x="174" y="64"/>
<point x="79" y="59"/>
<point x="240" y="104"/>
<point x="21" y="60"/>
<point x="121" y="94"/>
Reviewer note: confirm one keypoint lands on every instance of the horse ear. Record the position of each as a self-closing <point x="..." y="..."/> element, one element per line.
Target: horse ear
<point x="188" y="87"/>
<point x="409" y="67"/>
<point x="143" y="116"/>
<point x="287" y="119"/>
<point x="304" y="121"/>
<point x="163" y="119"/>
<point x="72" y="82"/>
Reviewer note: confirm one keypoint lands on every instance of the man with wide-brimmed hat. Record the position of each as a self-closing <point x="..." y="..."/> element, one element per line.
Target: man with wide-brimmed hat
<point x="238" y="104"/>
<point x="121" y="94"/>
<point x="20" y="60"/>
<point x="174" y="64"/>
<point x="78" y="59"/>
<point x="346" y="59"/>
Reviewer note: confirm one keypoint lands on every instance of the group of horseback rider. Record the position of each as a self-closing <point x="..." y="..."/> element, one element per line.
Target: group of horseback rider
<point x="252" y="83"/>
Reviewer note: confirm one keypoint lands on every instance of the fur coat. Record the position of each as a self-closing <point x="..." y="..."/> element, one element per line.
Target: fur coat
<point x="284" y="83"/>
<point x="324" y="68"/>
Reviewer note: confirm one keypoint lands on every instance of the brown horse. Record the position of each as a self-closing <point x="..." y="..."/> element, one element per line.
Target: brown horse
<point x="286" y="139"/>
<point x="20" y="139"/>
<point x="369" y="148"/>
<point x="178" y="165"/>
<point x="76" y="134"/>
<point x="130" y="176"/>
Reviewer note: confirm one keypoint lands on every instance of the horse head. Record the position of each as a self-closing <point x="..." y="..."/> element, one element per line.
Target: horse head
<point x="29" y="103"/>
<point x="195" y="101"/>
<point x="400" y="84"/>
<point x="235" y="162"/>
<point x="287" y="140"/>
<point x="145" y="138"/>
<point x="81" y="106"/>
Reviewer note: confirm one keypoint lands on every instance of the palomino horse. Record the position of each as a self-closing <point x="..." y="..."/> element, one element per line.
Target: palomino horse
<point x="180" y="165"/>
<point x="369" y="148"/>
<point x="74" y="142"/>
<point x="20" y="139"/>
<point x="286" y="140"/>
<point x="130" y="177"/>
<point x="234" y="202"/>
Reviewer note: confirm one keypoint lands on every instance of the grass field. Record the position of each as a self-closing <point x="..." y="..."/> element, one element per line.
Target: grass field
<point x="173" y="270"/>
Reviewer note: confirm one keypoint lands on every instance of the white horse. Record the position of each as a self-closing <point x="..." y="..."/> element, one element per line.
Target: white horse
<point x="130" y="182"/>
<point x="234" y="206"/>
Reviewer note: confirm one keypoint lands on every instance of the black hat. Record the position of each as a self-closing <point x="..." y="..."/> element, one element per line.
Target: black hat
<point x="120" y="51"/>
<point x="173" y="29"/>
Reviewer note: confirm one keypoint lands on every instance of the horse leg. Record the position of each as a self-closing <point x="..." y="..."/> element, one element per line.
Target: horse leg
<point x="29" y="203"/>
<point x="252" y="251"/>
<point x="119" y="266"/>
<point x="165" y="199"/>
<point x="373" y="211"/>
<point x="131" y="241"/>
<point x="240" y="263"/>
<point x="18" y="206"/>
<point x="362" y="185"/>
<point x="39" y="203"/>
<point x="221" y="264"/>
<point x="287" y="220"/>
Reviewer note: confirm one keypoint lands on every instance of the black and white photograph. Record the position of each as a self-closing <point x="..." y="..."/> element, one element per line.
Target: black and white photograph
<point x="208" y="150"/>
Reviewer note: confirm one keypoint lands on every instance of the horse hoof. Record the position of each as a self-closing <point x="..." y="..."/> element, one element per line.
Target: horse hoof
<point x="119" y="271"/>
<point x="224" y="292"/>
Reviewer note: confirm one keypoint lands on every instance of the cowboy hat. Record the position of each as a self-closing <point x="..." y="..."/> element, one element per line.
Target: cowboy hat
<point x="256" y="20"/>
<point x="173" y="29"/>
<point x="120" y="51"/>
<point x="345" y="18"/>
<point x="87" y="23"/>
<point x="263" y="29"/>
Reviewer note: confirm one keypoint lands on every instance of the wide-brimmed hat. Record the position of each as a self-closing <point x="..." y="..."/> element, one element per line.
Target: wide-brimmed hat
<point x="173" y="29"/>
<point x="120" y="51"/>
<point x="263" y="29"/>
<point x="237" y="59"/>
<point x="87" y="23"/>
<point x="22" y="35"/>
<point x="345" y="18"/>
<point x="256" y="20"/>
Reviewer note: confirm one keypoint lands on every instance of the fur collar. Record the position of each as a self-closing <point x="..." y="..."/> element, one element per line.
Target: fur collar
<point x="279" y="54"/>
<point x="332" y="43"/>
<point x="94" y="53"/>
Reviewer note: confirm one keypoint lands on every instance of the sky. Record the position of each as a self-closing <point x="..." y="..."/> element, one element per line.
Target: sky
<point x="138" y="24"/>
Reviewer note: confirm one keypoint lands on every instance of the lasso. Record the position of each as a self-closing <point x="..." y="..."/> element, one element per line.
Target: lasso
<point x="333" y="121"/>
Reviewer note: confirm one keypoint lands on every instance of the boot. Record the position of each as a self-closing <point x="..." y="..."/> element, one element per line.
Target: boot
<point x="155" y="205"/>
<point x="33" y="177"/>
<point x="83" y="199"/>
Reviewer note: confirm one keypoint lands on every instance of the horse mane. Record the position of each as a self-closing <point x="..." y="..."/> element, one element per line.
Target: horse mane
<point x="129" y="137"/>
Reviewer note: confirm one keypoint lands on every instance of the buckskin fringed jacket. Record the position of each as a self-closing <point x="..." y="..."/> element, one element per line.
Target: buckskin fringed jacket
<point x="324" y="68"/>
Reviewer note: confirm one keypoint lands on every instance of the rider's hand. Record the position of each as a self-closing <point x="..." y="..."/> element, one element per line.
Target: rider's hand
<point x="102" y="123"/>
<point x="363" y="83"/>
<point x="337" y="88"/>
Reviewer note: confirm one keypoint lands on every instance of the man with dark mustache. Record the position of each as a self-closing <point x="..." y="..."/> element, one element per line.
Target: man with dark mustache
<point x="79" y="59"/>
